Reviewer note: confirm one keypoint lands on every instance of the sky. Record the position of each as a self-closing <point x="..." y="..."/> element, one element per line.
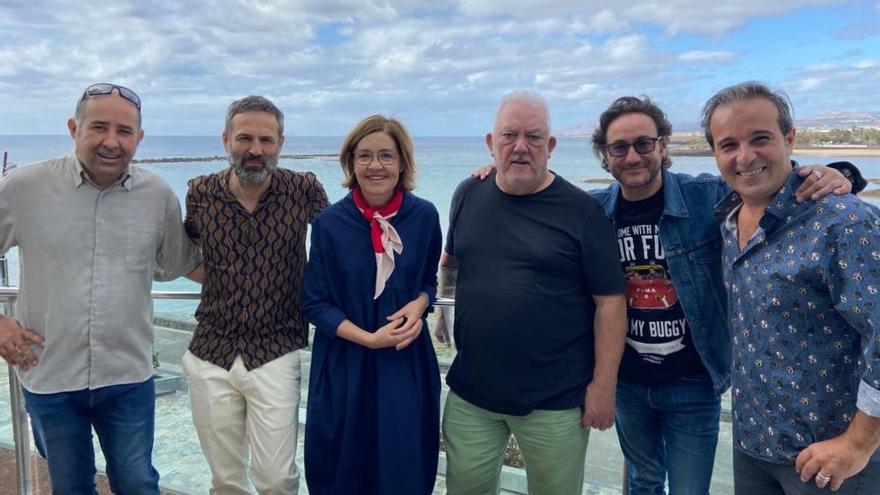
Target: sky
<point x="440" y="66"/>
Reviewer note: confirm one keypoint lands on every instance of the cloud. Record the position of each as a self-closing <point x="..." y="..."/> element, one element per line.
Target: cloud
<point x="704" y="56"/>
<point x="808" y="84"/>
<point x="691" y="16"/>
<point x="584" y="91"/>
<point x="625" y="47"/>
<point x="816" y="89"/>
<point x="859" y="30"/>
<point x="607" y="21"/>
<point x="440" y="64"/>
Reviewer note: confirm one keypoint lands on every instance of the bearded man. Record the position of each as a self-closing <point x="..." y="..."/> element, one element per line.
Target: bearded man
<point x="250" y="222"/>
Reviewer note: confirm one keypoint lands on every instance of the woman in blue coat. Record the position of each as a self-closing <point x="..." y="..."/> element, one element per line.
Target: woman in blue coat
<point x="373" y="416"/>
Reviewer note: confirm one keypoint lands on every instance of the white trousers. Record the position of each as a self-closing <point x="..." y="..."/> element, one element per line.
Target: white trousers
<point x="237" y="411"/>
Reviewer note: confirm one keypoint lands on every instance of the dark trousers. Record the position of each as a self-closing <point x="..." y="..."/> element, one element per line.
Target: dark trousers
<point x="752" y="476"/>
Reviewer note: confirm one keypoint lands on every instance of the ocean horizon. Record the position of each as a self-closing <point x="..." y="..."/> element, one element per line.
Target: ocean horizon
<point x="441" y="164"/>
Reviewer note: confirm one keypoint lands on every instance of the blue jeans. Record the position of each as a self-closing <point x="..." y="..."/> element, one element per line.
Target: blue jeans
<point x="123" y="416"/>
<point x="669" y="430"/>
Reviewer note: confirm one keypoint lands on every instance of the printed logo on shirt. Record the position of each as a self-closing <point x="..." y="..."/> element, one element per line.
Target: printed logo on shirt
<point x="648" y="287"/>
<point x="657" y="326"/>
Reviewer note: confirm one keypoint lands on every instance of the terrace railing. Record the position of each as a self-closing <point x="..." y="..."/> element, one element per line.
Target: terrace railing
<point x="19" y="418"/>
<point x="513" y="480"/>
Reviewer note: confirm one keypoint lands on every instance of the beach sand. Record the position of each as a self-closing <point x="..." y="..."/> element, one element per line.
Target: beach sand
<point x="842" y="152"/>
<point x="864" y="152"/>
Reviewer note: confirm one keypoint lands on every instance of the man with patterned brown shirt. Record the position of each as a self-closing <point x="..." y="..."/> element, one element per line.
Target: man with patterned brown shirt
<point x="250" y="222"/>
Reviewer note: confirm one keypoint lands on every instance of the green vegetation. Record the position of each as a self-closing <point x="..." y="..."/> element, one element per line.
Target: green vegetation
<point x="694" y="144"/>
<point x="856" y="136"/>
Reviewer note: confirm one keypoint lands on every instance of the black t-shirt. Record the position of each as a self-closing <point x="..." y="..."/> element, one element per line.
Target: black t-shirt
<point x="528" y="266"/>
<point x="658" y="344"/>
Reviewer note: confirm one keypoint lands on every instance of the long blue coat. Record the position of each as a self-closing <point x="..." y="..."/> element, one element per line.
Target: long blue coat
<point x="373" y="416"/>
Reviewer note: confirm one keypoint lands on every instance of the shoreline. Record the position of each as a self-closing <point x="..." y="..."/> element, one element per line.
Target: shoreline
<point x="673" y="151"/>
<point x="856" y="152"/>
<point x="867" y="193"/>
<point x="185" y="159"/>
<point x="842" y="152"/>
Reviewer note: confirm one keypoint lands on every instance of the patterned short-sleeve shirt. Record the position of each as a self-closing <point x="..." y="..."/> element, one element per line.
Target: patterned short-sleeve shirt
<point x="253" y="267"/>
<point x="804" y="312"/>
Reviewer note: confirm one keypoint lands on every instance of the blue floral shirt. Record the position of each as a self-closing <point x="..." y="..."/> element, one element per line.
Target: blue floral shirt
<point x="804" y="312"/>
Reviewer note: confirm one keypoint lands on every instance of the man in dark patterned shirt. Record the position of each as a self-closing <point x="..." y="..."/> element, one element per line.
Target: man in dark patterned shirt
<point x="802" y="282"/>
<point x="250" y="222"/>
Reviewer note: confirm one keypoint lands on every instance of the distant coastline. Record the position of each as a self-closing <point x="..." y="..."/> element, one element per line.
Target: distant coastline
<point x="863" y="152"/>
<point x="673" y="151"/>
<point x="186" y="159"/>
<point x="817" y="151"/>
<point x="873" y="193"/>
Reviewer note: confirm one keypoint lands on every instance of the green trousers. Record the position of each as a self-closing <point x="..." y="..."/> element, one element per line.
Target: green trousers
<point x="553" y="445"/>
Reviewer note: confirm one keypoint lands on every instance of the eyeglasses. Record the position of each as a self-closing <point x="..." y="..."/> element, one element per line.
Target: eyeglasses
<point x="365" y="157"/>
<point x="107" y="88"/>
<point x="641" y="145"/>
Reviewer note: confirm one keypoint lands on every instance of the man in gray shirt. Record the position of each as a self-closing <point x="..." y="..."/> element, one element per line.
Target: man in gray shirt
<point x="93" y="232"/>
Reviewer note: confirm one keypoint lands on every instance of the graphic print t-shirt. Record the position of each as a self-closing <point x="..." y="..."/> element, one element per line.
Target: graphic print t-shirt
<point x="658" y="343"/>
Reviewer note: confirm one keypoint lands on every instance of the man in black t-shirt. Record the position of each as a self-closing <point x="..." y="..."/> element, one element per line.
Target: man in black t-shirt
<point x="540" y="314"/>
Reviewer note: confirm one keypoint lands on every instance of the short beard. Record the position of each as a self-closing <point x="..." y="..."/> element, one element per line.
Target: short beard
<point x="236" y="161"/>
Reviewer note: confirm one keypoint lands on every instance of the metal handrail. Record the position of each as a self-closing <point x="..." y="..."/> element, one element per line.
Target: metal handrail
<point x="8" y="291"/>
<point x="20" y="433"/>
<point x="20" y="428"/>
<point x="188" y="295"/>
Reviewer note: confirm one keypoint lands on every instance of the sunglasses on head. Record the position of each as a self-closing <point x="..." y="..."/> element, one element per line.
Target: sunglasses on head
<point x="107" y="88"/>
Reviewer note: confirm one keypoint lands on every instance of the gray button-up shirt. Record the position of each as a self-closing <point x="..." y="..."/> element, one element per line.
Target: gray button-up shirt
<point x="88" y="258"/>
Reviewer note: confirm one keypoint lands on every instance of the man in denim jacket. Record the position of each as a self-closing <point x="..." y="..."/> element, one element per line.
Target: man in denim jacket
<point x="677" y="360"/>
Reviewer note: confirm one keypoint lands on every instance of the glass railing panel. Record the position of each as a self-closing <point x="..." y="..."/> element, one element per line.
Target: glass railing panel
<point x="183" y="469"/>
<point x="176" y="452"/>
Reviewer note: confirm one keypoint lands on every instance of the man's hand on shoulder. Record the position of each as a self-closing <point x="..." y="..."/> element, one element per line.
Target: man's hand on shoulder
<point x="820" y="181"/>
<point x="16" y="342"/>
<point x="483" y="172"/>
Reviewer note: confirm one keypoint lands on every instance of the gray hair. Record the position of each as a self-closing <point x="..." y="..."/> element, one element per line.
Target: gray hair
<point x="623" y="106"/>
<point x="253" y="103"/>
<point x="524" y="96"/>
<point x="747" y="91"/>
<point x="81" y="110"/>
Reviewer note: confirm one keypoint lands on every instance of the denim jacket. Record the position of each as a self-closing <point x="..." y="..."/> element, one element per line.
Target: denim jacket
<point x="691" y="238"/>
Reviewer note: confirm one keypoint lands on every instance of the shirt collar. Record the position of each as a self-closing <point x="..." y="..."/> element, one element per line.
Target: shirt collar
<point x="779" y="205"/>
<point x="783" y="204"/>
<point x="673" y="199"/>
<point x="79" y="175"/>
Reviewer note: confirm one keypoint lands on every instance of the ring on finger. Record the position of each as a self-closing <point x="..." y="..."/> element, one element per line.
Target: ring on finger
<point x="817" y="174"/>
<point x="823" y="478"/>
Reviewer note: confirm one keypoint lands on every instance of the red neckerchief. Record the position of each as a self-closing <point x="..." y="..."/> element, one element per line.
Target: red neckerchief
<point x="387" y="211"/>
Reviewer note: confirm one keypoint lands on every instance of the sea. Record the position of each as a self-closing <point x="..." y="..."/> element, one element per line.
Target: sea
<point x="441" y="163"/>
